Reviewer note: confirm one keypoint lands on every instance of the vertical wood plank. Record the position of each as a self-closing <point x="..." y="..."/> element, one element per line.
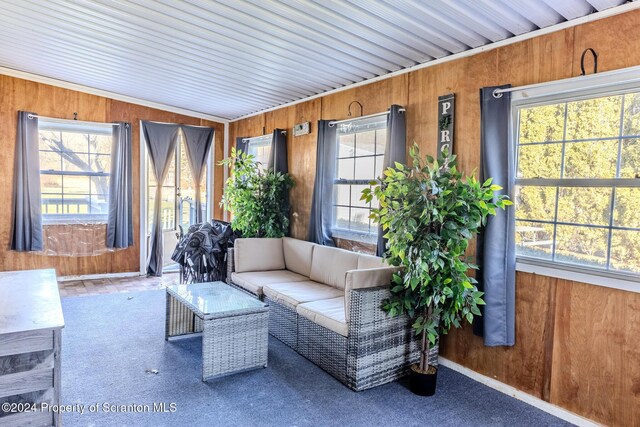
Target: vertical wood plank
<point x="596" y="352"/>
<point x="615" y="40"/>
<point x="57" y="373"/>
<point x="549" y="340"/>
<point x="523" y="365"/>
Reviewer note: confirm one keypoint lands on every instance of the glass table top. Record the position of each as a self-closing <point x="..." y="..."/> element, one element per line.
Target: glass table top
<point x="215" y="298"/>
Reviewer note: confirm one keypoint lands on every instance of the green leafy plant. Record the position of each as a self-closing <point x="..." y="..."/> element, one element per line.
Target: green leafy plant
<point x="257" y="198"/>
<point x="429" y="213"/>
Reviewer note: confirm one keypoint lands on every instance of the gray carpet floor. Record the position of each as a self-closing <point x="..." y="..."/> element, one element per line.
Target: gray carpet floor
<point x="110" y="341"/>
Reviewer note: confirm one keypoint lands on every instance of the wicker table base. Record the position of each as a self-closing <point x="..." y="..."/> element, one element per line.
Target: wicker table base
<point x="234" y="336"/>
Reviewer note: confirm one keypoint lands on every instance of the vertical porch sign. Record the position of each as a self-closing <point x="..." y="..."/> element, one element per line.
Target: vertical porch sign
<point x="446" y="111"/>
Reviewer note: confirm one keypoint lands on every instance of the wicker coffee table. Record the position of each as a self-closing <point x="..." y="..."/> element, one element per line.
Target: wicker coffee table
<point x="233" y="325"/>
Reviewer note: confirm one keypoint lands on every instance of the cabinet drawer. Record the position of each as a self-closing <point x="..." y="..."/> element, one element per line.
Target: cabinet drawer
<point x="25" y="382"/>
<point x="31" y="419"/>
<point x="25" y="342"/>
<point x="26" y="362"/>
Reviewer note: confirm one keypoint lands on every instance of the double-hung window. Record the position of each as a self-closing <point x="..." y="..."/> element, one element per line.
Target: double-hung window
<point x="359" y="160"/>
<point x="578" y="182"/>
<point x="75" y="161"/>
<point x="260" y="148"/>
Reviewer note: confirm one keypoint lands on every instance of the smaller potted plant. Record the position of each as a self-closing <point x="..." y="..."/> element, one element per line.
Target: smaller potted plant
<point x="257" y="198"/>
<point x="429" y="213"/>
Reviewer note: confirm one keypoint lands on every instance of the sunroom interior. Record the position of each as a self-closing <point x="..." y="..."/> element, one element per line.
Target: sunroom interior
<point x="327" y="213"/>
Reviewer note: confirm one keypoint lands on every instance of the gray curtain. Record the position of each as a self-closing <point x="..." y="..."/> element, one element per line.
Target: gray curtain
<point x="496" y="243"/>
<point x="161" y="141"/>
<point x="322" y="202"/>
<point x="395" y="151"/>
<point x="120" y="221"/>
<point x="278" y="158"/>
<point x="27" y="211"/>
<point x="242" y="145"/>
<point x="198" y="141"/>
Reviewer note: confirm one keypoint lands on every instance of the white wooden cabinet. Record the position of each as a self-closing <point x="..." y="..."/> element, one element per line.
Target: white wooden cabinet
<point x="31" y="323"/>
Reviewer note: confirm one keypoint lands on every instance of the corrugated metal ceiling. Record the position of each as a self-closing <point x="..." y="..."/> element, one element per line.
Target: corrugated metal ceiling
<point x="229" y="58"/>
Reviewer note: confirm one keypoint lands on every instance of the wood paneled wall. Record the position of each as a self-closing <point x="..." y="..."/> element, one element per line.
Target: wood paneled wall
<point x="576" y="344"/>
<point x="17" y="94"/>
<point x="218" y="170"/>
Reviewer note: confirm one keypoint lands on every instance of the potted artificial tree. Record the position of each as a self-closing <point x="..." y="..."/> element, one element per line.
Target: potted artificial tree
<point x="428" y="214"/>
<point x="257" y="197"/>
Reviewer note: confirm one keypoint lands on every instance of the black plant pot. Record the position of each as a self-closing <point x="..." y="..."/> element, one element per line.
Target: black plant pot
<point x="422" y="384"/>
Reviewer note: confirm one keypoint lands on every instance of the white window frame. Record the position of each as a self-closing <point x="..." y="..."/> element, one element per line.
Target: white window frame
<point x="584" y="87"/>
<point x="74" y="126"/>
<point x="342" y="233"/>
<point x="261" y="141"/>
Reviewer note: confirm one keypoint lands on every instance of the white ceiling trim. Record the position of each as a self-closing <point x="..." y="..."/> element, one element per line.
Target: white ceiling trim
<point x="627" y="7"/>
<point x="106" y="94"/>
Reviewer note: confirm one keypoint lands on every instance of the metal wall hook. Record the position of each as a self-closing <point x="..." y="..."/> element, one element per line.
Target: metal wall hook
<point x="595" y="61"/>
<point x="75" y="116"/>
<point x="355" y="102"/>
<point x="497" y="94"/>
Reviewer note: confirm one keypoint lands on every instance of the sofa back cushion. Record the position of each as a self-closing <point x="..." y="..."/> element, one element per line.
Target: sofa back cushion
<point x="330" y="265"/>
<point x="297" y="255"/>
<point x="370" y="261"/>
<point x="258" y="255"/>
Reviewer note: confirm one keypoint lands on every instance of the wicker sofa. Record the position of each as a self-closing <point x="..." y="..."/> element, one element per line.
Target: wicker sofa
<point x="325" y="303"/>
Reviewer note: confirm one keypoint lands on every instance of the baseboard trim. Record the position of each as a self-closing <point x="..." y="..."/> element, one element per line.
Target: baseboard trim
<point x="98" y="276"/>
<point x="554" y="410"/>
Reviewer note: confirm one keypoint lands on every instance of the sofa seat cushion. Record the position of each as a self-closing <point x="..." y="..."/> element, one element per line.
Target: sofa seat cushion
<point x="253" y="281"/>
<point x="328" y="313"/>
<point x="294" y="293"/>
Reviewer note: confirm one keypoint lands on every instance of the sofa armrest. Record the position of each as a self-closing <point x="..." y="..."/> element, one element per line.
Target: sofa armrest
<point x="371" y="324"/>
<point x="366" y="309"/>
<point x="363" y="279"/>
<point x="230" y="264"/>
<point x="369" y="277"/>
<point x="379" y="346"/>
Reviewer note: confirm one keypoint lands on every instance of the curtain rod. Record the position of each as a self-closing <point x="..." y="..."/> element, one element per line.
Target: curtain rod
<point x="284" y="132"/>
<point x="497" y="93"/>
<point x="179" y="124"/>
<point x="335" y="122"/>
<point x="57" y="120"/>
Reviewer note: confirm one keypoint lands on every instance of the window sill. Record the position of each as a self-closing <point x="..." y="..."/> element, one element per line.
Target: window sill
<point x="354" y="236"/>
<point x="97" y="220"/>
<point x="595" y="277"/>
